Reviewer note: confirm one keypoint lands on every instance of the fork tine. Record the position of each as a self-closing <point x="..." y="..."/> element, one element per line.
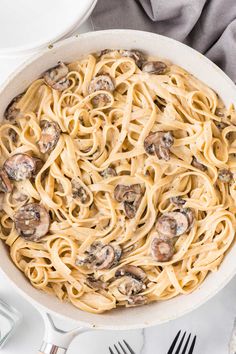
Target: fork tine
<point x="111" y="351"/>
<point x="186" y="344"/>
<point x="180" y="344"/>
<point x="192" y="345"/>
<point x="129" y="347"/>
<point x="118" y="352"/>
<point x="170" y="351"/>
<point x="123" y="349"/>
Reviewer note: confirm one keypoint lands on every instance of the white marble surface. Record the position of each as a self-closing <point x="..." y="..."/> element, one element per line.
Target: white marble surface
<point x="212" y="322"/>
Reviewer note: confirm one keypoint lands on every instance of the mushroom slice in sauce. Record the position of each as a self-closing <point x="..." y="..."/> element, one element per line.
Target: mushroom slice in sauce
<point x="95" y="283"/>
<point x="100" y="100"/>
<point x="132" y="271"/>
<point x="21" y="166"/>
<point x="38" y="165"/>
<point x="105" y="257"/>
<point x="154" y="67"/>
<point x="199" y="165"/>
<point x="56" y="77"/>
<point x="178" y="201"/>
<point x="101" y="82"/>
<point x="130" y="210"/>
<point x="190" y="215"/>
<point x="159" y="144"/>
<point x="131" y="196"/>
<point x="50" y="135"/>
<point x="221" y="125"/>
<point x="162" y="250"/>
<point x="12" y="112"/>
<point x="174" y="223"/>
<point x="32" y="221"/>
<point x="18" y="196"/>
<point x="100" y="256"/>
<point x="130" y="286"/>
<point x="128" y="194"/>
<point x="225" y="175"/>
<point x="103" y="52"/>
<point x="108" y="172"/>
<point x="136" y="55"/>
<point x="137" y="300"/>
<point x="5" y="184"/>
<point x="79" y="192"/>
<point x="13" y="135"/>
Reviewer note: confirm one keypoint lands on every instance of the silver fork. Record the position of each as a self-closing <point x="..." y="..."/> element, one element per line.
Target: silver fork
<point x="125" y="347"/>
<point x="182" y="346"/>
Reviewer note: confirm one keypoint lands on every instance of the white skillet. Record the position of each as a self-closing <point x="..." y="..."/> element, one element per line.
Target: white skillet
<point x="69" y="50"/>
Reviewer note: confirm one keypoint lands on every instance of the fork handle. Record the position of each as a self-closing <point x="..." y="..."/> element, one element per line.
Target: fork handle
<point x="49" y="348"/>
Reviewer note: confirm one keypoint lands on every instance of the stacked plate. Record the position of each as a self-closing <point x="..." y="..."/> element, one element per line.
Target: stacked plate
<point x="27" y="25"/>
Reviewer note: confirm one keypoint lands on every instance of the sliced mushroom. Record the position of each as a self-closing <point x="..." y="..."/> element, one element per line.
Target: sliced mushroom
<point x="221" y="125"/>
<point x="38" y="165"/>
<point x="199" y="165"/>
<point x="130" y="210"/>
<point x="104" y="258"/>
<point x="79" y="192"/>
<point x="137" y="300"/>
<point x="108" y="172"/>
<point x="162" y="250"/>
<point x="12" y="112"/>
<point x="13" y="135"/>
<point x="225" y="175"/>
<point x="100" y="100"/>
<point x="131" y="197"/>
<point x="103" y="52"/>
<point x="5" y="184"/>
<point x="128" y="194"/>
<point x="107" y="257"/>
<point x="100" y="256"/>
<point x="21" y="166"/>
<point x="95" y="284"/>
<point x="130" y="286"/>
<point x="18" y="196"/>
<point x="154" y="67"/>
<point x="118" y="253"/>
<point x="132" y="271"/>
<point x="136" y="55"/>
<point x="32" y="221"/>
<point x="50" y="135"/>
<point x="178" y="201"/>
<point x="101" y="82"/>
<point x="159" y="144"/>
<point x="174" y="223"/>
<point x="56" y="77"/>
<point x="190" y="215"/>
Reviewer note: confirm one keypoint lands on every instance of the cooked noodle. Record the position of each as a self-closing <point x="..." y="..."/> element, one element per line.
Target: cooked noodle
<point x="95" y="138"/>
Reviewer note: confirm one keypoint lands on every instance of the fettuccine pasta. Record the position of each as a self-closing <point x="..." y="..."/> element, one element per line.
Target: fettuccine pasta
<point x="117" y="181"/>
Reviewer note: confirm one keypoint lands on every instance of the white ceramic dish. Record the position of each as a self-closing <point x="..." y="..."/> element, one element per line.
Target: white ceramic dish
<point x="201" y="67"/>
<point x="27" y="25"/>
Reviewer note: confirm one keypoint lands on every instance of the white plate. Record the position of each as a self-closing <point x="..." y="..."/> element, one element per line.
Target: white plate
<point x="156" y="45"/>
<point x="27" y="24"/>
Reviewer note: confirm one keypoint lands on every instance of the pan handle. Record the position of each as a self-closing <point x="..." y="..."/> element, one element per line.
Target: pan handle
<point x="48" y="348"/>
<point x="57" y="341"/>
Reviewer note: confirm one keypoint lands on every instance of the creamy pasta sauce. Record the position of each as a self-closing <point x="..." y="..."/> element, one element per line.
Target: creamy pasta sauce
<point x="117" y="181"/>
